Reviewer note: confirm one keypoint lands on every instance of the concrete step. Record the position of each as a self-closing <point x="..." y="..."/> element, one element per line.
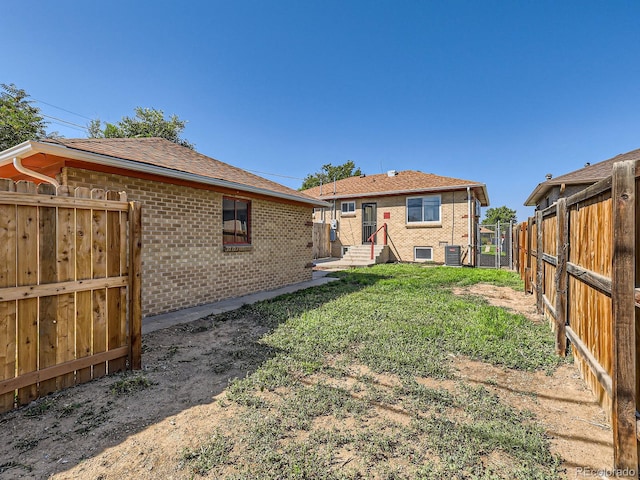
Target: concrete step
<point x="361" y="254"/>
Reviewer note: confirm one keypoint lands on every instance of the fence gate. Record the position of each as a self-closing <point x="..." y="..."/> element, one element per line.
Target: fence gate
<point x="494" y="246"/>
<point x="321" y="240"/>
<point x="69" y="288"/>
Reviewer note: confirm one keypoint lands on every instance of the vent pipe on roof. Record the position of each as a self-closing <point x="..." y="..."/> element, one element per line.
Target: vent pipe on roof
<point x="548" y="176"/>
<point x="17" y="163"/>
<point x="587" y="164"/>
<point x="392" y="173"/>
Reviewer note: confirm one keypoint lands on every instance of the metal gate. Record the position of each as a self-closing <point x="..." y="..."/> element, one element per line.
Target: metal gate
<point x="494" y="246"/>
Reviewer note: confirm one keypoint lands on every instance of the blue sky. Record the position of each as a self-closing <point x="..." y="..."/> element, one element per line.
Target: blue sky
<point x="499" y="92"/>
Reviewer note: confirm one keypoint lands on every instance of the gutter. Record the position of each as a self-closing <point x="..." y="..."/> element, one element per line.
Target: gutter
<point x="17" y="163"/>
<point x="30" y="147"/>
<point x="403" y="192"/>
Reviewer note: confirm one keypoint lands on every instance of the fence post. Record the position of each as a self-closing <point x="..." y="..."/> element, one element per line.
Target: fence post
<point x="539" y="263"/>
<point x="515" y="248"/>
<point x="623" y="420"/>
<point x="527" y="269"/>
<point x="561" y="279"/>
<point x="135" y="290"/>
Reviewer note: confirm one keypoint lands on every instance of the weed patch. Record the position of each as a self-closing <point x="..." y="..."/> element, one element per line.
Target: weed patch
<point x="213" y="453"/>
<point x="130" y="384"/>
<point x="39" y="407"/>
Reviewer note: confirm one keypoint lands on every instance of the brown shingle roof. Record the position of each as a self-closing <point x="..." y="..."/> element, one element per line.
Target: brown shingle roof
<point x="583" y="176"/>
<point x="596" y="172"/>
<point x="160" y="152"/>
<point x="407" y="181"/>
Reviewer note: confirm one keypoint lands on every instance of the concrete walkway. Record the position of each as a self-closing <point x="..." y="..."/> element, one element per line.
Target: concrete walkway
<point x="157" y="322"/>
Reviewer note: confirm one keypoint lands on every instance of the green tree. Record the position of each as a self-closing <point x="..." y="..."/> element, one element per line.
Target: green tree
<point x="147" y="122"/>
<point x="499" y="214"/>
<point x="19" y="119"/>
<point x="328" y="173"/>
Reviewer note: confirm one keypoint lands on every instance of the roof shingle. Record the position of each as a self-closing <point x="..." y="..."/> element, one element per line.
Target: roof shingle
<point x="587" y="175"/>
<point x="163" y="153"/>
<point x="406" y="181"/>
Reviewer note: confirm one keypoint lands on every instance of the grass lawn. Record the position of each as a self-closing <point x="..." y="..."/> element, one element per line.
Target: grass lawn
<point x="361" y="385"/>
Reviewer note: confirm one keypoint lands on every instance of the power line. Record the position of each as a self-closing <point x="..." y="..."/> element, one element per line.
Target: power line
<point x="67" y="126"/>
<point x="274" y="174"/>
<point x="60" y="108"/>
<point x="56" y="120"/>
<point x="84" y="128"/>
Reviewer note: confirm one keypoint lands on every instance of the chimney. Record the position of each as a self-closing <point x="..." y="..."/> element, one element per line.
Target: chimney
<point x="392" y="173"/>
<point x="548" y="176"/>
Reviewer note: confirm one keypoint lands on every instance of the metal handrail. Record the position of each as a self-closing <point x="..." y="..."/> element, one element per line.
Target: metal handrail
<point x="373" y="235"/>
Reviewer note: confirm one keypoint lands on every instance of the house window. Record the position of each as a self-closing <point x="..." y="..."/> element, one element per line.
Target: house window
<point x="236" y="214"/>
<point x="348" y="207"/>
<point x="423" y="209"/>
<point x="423" y="254"/>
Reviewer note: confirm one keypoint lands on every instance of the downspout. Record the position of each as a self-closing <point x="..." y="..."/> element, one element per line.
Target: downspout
<point x="17" y="163"/>
<point x="469" y="213"/>
<point x="453" y="215"/>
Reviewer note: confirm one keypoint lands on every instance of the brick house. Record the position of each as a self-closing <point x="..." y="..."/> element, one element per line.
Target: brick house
<point x="210" y="230"/>
<point x="548" y="192"/>
<point x="423" y="212"/>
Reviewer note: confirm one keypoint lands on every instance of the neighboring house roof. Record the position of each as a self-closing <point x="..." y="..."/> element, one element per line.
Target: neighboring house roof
<point x="156" y="156"/>
<point x="402" y="183"/>
<point x="588" y="175"/>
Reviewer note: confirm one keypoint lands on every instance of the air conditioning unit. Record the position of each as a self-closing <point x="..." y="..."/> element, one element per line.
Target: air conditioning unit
<point x="452" y="256"/>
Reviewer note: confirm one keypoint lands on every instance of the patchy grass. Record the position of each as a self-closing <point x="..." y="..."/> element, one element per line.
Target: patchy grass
<point x="39" y="407"/>
<point x="214" y="452"/>
<point x="306" y="414"/>
<point x="130" y="384"/>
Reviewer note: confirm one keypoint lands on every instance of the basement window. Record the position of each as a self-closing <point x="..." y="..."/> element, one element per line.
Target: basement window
<point x="423" y="254"/>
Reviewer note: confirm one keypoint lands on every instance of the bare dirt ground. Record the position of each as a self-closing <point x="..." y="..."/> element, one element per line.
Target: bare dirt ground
<point x="99" y="431"/>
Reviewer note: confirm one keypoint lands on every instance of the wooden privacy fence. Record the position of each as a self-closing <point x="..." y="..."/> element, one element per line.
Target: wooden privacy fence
<point x="579" y="257"/>
<point x="69" y="288"/>
<point x="321" y="240"/>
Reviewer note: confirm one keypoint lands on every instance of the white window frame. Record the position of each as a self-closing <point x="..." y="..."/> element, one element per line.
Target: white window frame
<point x="422" y="221"/>
<point x="350" y="211"/>
<point x="415" y="257"/>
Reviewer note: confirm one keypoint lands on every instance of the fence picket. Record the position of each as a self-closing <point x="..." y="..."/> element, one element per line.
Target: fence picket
<point x="114" y="297"/>
<point x="84" y="320"/>
<point x="27" y="274"/>
<point x="48" y="306"/>
<point x="99" y="263"/>
<point x="8" y="318"/>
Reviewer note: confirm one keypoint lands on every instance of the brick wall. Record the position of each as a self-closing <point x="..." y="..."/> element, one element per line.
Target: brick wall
<point x="452" y="230"/>
<point x="184" y="264"/>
